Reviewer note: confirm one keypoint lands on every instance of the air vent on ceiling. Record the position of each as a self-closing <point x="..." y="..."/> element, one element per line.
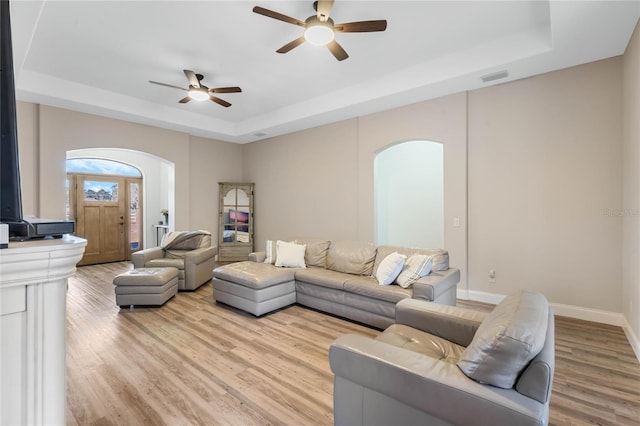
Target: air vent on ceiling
<point x="259" y="134"/>
<point x="495" y="76"/>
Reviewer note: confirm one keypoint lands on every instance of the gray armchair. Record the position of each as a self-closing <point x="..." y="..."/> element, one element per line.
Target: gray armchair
<point x="441" y="365"/>
<point x="190" y="252"/>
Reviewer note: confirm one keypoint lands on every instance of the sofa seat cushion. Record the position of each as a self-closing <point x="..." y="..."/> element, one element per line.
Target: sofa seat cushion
<point x="351" y="257"/>
<point x="322" y="277"/>
<point x="146" y="277"/>
<point x="369" y="287"/>
<point x="418" y="341"/>
<point x="165" y="262"/>
<point x="507" y="340"/>
<point x="254" y="275"/>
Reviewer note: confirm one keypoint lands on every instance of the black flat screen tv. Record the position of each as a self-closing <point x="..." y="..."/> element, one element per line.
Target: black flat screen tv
<point x="10" y="195"/>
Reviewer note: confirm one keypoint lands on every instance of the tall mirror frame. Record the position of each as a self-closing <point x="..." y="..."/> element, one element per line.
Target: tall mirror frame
<point x="235" y="221"/>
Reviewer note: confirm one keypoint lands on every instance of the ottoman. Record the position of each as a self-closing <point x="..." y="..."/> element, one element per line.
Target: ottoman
<point x="146" y="286"/>
<point x="254" y="287"/>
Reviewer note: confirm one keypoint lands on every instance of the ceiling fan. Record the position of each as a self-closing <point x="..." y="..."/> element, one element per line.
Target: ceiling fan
<point x="320" y="28"/>
<point x="199" y="92"/>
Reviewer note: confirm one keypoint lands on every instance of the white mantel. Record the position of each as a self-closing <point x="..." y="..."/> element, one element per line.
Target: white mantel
<point x="33" y="294"/>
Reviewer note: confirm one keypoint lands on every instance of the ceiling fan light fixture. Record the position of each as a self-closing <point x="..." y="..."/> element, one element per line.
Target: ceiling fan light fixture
<point x="319" y="34"/>
<point x="198" y="94"/>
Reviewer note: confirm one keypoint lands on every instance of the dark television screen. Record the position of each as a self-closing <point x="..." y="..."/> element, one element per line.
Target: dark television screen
<point x="10" y="196"/>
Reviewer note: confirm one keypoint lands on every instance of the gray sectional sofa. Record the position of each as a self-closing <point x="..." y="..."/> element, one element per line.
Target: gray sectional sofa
<point x="338" y="279"/>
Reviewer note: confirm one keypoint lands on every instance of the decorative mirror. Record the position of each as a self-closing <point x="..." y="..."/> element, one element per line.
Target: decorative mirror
<point x="235" y="221"/>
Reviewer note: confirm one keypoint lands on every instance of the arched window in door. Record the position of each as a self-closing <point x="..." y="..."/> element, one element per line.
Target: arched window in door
<point x="409" y="195"/>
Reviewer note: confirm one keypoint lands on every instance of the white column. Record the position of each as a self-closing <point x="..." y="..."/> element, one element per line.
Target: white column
<point x="33" y="292"/>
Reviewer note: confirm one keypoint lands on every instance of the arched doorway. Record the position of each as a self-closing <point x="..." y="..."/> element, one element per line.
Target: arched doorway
<point x="104" y="198"/>
<point x="409" y="195"/>
<point x="158" y="189"/>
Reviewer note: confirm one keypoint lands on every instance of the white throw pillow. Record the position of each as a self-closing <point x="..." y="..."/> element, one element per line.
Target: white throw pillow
<point x="418" y="266"/>
<point x="270" y="252"/>
<point x="290" y="255"/>
<point x="389" y="268"/>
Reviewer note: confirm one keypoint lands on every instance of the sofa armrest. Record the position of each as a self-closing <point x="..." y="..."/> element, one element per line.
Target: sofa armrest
<point x="452" y="323"/>
<point x="257" y="256"/>
<point x="200" y="255"/>
<point x="140" y="258"/>
<point x="436" y="284"/>
<point x="435" y="387"/>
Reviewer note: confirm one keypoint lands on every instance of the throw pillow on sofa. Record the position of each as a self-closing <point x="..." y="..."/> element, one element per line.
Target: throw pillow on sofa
<point x="290" y="255"/>
<point x="418" y="266"/>
<point x="390" y="268"/>
<point x="270" y="252"/>
<point x="508" y="338"/>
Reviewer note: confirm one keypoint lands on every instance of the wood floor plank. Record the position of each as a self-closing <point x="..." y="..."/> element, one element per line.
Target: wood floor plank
<point x="196" y="362"/>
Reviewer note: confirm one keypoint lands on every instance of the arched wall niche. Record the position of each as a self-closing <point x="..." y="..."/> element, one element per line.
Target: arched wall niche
<point x="409" y="194"/>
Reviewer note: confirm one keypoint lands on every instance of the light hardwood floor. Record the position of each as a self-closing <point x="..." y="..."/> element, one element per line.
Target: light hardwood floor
<point x="193" y="361"/>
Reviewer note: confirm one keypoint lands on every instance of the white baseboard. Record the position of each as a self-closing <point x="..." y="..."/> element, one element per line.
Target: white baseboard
<point x="587" y="314"/>
<point x="633" y="339"/>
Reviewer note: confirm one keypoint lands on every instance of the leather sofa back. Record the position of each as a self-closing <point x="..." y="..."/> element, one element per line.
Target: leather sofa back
<point x="316" y="251"/>
<point x="351" y="257"/>
<point x="440" y="257"/>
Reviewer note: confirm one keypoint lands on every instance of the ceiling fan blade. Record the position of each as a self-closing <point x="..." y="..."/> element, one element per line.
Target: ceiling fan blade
<point x="225" y="90"/>
<point x="324" y="9"/>
<point x="220" y="101"/>
<point x="337" y="50"/>
<point x="361" y="27"/>
<point x="291" y="45"/>
<point x="279" y="16"/>
<point x="167" y="85"/>
<point x="185" y="100"/>
<point x="193" y="80"/>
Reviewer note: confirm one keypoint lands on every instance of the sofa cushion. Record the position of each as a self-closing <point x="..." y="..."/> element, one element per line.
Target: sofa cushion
<point x="416" y="340"/>
<point x="440" y="257"/>
<point x="390" y="268"/>
<point x="322" y="277"/>
<point x="368" y="286"/>
<point x="507" y="340"/>
<point x="290" y="255"/>
<point x="253" y="275"/>
<point x="351" y="257"/>
<point x="417" y="266"/>
<point x="316" y="253"/>
<point x="165" y="262"/>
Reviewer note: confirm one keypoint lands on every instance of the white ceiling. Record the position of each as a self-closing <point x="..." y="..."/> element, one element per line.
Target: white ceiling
<point x="98" y="56"/>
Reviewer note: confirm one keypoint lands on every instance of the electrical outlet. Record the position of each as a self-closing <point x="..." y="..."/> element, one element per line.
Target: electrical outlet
<point x="492" y="275"/>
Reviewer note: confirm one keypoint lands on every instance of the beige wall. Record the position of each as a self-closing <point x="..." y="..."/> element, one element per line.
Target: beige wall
<point x="211" y="162"/>
<point x="631" y="200"/>
<point x="306" y="183"/>
<point x="545" y="157"/>
<point x="47" y="133"/>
